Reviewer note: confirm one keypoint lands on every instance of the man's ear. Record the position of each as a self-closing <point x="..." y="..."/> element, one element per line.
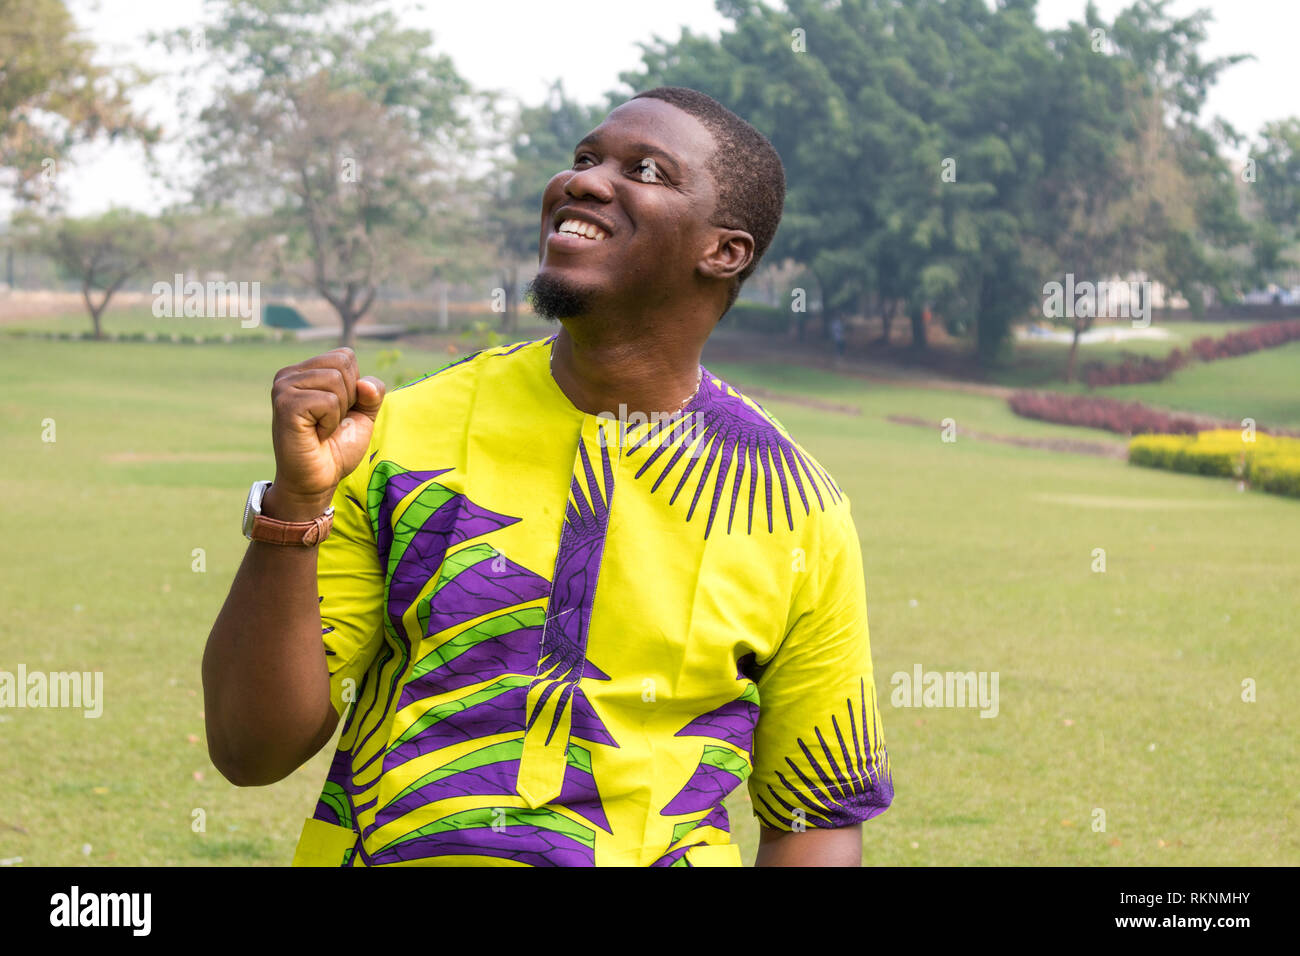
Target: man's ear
<point x="731" y="253"/>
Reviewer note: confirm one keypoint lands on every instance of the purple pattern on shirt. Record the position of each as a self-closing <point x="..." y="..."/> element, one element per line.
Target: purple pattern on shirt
<point x="849" y="785"/>
<point x="573" y="591"/>
<point x="733" y="722"/>
<point x="528" y="844"/>
<point x="396" y="487"/>
<point x="487" y="585"/>
<point x="717" y="427"/>
<point x="707" y="788"/>
<point x="457" y="519"/>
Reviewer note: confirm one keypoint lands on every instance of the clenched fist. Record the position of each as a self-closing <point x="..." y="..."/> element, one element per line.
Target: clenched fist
<point x="324" y="417"/>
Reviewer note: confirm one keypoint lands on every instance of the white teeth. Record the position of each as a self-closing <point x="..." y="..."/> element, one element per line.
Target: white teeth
<point x="584" y="229"/>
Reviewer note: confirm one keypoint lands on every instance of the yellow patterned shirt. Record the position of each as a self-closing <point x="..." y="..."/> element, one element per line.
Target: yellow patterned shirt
<point x="558" y="638"/>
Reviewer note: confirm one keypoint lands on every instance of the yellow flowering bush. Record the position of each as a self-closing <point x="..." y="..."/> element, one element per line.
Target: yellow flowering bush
<point x="1270" y="463"/>
<point x="1278" y="472"/>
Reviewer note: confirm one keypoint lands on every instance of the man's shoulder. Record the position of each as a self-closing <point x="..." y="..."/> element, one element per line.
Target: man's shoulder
<point x="442" y="402"/>
<point x="463" y="373"/>
<point x="737" y="414"/>
<point x="740" y="435"/>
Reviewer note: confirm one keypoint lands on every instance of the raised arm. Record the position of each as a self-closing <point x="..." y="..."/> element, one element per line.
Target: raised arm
<point x="265" y="682"/>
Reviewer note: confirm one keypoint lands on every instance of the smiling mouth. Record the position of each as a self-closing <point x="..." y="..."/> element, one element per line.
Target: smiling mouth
<point x="583" y="230"/>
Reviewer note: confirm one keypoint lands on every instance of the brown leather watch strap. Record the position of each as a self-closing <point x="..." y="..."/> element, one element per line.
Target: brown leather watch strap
<point x="303" y="533"/>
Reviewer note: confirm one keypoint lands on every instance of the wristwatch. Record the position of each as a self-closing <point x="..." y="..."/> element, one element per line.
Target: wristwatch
<point x="258" y="527"/>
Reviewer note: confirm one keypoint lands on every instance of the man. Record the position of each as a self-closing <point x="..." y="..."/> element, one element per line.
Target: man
<point x="837" y="336"/>
<point x="576" y="590"/>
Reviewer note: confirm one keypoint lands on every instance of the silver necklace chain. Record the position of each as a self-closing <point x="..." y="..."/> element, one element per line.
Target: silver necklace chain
<point x="699" y="375"/>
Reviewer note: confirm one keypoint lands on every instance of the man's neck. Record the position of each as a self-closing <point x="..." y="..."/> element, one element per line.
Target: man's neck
<point x="653" y="373"/>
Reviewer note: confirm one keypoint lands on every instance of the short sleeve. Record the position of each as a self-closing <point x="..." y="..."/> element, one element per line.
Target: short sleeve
<point x="350" y="584"/>
<point x="819" y="747"/>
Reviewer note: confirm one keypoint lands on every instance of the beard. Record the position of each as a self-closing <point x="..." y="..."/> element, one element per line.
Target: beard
<point x="554" y="298"/>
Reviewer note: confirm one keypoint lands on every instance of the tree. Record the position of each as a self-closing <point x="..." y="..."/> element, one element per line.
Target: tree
<point x="1275" y="191"/>
<point x="939" y="151"/>
<point x="870" y="104"/>
<point x="1101" y="143"/>
<point x="101" y="253"/>
<point x="1277" y="173"/>
<point x="1195" y="219"/>
<point x="53" y="95"/>
<point x="342" y="128"/>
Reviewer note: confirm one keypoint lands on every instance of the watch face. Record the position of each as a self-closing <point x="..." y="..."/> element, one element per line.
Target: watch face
<point x="253" y="507"/>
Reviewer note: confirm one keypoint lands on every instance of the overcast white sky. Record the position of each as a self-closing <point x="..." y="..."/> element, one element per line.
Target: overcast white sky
<point x="510" y="45"/>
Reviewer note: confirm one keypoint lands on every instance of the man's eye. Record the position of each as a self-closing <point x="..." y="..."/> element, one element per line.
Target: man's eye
<point x="648" y="170"/>
<point x="581" y="158"/>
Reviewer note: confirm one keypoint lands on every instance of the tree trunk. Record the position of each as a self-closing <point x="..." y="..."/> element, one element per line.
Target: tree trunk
<point x="887" y="307"/>
<point x="988" y="329"/>
<point x="917" y="316"/>
<point x="350" y="310"/>
<point x="1074" y="354"/>
<point x="348" y="337"/>
<point x="94" y="311"/>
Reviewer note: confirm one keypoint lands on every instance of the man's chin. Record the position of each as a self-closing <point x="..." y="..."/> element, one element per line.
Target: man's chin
<point x="556" y="297"/>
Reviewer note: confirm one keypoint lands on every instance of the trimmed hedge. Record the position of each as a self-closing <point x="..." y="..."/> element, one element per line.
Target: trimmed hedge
<point x="1269" y="463"/>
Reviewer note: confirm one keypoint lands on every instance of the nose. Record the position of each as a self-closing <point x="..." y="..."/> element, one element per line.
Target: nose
<point x="589" y="182"/>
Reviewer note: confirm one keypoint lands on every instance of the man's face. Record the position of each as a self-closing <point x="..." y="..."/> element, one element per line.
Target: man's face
<point x="640" y="179"/>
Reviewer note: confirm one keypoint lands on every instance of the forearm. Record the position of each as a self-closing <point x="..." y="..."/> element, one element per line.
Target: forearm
<point x="265" y="679"/>
<point x="811" y="847"/>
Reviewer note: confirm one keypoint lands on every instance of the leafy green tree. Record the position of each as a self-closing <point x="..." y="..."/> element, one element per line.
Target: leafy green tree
<point x="1277" y="172"/>
<point x="1190" y="216"/>
<point x="101" y="253"/>
<point x="942" y="152"/>
<point x="1274" y="189"/>
<point x="909" y="137"/>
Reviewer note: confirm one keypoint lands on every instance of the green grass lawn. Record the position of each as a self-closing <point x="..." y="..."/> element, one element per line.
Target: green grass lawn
<point x="982" y="413"/>
<point x="1119" y="691"/>
<point x="130" y="320"/>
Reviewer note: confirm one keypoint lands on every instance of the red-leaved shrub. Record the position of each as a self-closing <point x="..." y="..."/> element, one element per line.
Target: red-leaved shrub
<point x="1267" y="336"/>
<point x="1124" y="418"/>
<point x="1134" y="370"/>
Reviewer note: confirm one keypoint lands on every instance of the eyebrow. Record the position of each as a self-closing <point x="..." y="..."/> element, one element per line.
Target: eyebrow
<point x="644" y="149"/>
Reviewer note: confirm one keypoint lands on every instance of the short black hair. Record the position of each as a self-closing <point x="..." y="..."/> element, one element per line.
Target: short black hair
<point x="746" y="171"/>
